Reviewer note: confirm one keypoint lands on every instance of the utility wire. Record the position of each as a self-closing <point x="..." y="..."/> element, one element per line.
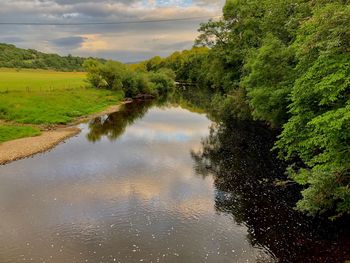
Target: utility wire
<point x="4" y="23"/>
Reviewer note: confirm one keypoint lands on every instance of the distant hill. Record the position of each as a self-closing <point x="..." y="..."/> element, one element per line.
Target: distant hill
<point x="13" y="57"/>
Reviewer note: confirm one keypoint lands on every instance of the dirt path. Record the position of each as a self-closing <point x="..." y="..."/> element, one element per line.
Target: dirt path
<point x="21" y="148"/>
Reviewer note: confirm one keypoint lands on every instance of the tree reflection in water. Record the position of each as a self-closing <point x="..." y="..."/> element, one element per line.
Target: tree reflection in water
<point x="113" y="125"/>
<point x="238" y="156"/>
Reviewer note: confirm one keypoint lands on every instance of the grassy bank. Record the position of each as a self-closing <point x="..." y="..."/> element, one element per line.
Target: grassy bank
<point x="46" y="97"/>
<point x="11" y="132"/>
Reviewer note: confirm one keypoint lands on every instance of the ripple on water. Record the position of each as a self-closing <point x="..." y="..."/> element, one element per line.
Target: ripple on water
<point x="119" y="193"/>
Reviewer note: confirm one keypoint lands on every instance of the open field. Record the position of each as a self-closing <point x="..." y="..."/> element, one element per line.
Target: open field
<point x="39" y="80"/>
<point x="41" y="97"/>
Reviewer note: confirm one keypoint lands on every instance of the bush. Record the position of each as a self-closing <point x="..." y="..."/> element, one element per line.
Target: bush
<point x="162" y="83"/>
<point x="114" y="75"/>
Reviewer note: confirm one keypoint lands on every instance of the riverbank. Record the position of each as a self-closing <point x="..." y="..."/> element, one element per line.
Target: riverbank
<point x="21" y="148"/>
<point x="25" y="147"/>
<point x="41" y="99"/>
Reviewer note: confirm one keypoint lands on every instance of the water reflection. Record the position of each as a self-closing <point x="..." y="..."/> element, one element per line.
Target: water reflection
<point x="113" y="125"/>
<point x="128" y="189"/>
<point x="129" y="194"/>
<point x="238" y="155"/>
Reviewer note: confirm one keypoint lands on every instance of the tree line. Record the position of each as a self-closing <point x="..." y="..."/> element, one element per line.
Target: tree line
<point x="285" y="63"/>
<point x="13" y="57"/>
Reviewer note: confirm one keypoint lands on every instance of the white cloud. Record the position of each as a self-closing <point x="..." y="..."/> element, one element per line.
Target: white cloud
<point x="126" y="42"/>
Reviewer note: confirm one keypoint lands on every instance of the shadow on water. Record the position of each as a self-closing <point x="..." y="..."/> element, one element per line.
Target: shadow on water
<point x="237" y="154"/>
<point x="113" y="125"/>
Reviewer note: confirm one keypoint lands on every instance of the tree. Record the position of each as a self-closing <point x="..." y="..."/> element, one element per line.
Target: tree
<point x="93" y="76"/>
<point x="154" y="63"/>
<point x="319" y="130"/>
<point x="269" y="79"/>
<point x="116" y="76"/>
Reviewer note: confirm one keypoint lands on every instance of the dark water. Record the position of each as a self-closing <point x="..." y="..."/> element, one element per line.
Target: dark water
<point x="158" y="184"/>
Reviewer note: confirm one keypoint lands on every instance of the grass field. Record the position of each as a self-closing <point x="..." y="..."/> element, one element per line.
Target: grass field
<point x="12" y="132"/>
<point x="39" y="80"/>
<point x="47" y="97"/>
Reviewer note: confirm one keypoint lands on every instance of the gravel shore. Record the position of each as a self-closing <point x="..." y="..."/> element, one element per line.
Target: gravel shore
<point x="21" y="148"/>
<point x="25" y="147"/>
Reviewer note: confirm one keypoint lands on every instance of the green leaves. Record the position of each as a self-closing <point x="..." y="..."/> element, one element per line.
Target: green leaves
<point x="318" y="130"/>
<point x="291" y="60"/>
<point x="116" y="76"/>
<point x="269" y="74"/>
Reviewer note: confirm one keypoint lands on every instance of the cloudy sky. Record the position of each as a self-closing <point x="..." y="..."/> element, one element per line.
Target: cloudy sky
<point x="125" y="42"/>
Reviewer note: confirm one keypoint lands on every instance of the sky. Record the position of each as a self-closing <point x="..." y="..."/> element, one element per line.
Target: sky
<point x="124" y="42"/>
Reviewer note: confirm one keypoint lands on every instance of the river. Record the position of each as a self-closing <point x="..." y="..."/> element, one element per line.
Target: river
<point x="154" y="183"/>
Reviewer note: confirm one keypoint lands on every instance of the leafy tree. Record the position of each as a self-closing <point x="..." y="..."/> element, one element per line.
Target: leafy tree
<point x="161" y="81"/>
<point x="93" y="67"/>
<point x="318" y="131"/>
<point x="130" y="84"/>
<point x="270" y="76"/>
<point x="114" y="75"/>
<point x="154" y="63"/>
<point x="168" y="72"/>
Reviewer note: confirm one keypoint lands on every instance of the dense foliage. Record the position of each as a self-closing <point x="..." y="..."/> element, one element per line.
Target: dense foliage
<point x="13" y="57"/>
<point x="133" y="81"/>
<point x="286" y="63"/>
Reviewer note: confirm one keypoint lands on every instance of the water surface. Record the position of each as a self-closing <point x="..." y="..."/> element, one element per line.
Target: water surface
<point x="160" y="184"/>
<point x="124" y="190"/>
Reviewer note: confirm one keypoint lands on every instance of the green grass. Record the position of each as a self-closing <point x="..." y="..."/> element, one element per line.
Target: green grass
<point x="48" y="97"/>
<point x="8" y="133"/>
<point x="39" y="80"/>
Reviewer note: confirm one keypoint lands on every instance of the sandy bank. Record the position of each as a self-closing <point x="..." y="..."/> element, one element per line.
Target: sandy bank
<point x="21" y="148"/>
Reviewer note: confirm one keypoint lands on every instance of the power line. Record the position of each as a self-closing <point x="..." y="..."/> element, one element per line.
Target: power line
<point x="104" y="23"/>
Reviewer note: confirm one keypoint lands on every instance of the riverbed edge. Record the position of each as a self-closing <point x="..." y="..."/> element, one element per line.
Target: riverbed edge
<point x="18" y="149"/>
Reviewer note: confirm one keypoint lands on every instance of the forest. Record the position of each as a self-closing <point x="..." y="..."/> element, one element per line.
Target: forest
<point x="285" y="64"/>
